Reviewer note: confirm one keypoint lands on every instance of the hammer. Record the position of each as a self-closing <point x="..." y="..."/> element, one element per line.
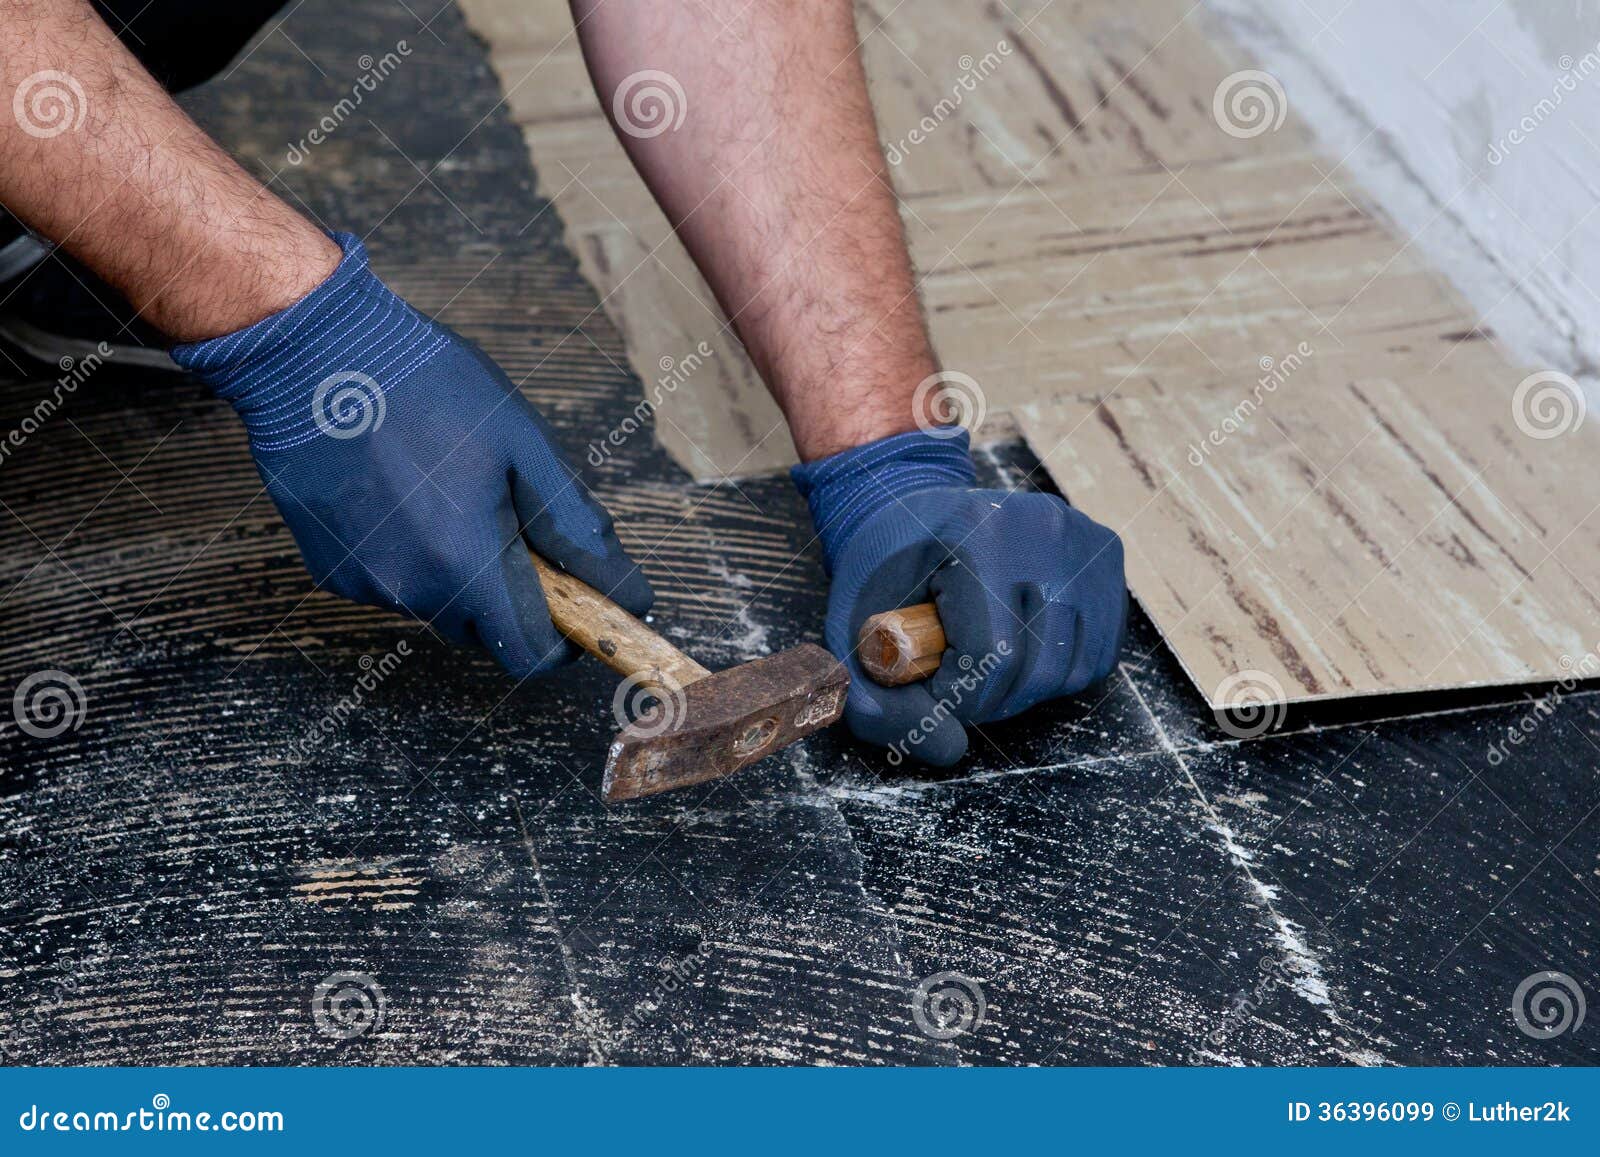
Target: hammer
<point x="703" y="725"/>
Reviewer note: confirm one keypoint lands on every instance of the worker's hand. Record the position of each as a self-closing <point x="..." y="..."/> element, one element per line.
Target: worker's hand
<point x="410" y="470"/>
<point x="1029" y="590"/>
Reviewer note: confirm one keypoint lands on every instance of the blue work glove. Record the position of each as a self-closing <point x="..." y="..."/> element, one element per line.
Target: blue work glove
<point x="410" y="470"/>
<point x="1029" y="590"/>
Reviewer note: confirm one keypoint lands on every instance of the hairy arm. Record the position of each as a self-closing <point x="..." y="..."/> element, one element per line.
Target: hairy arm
<point x="428" y="507"/>
<point x="98" y="158"/>
<point x="776" y="183"/>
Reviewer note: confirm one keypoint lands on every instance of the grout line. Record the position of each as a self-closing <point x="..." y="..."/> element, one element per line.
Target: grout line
<point x="1201" y="748"/>
<point x="584" y="1016"/>
<point x="1300" y="955"/>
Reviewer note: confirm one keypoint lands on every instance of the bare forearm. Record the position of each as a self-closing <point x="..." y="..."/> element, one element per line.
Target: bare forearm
<point x="101" y="160"/>
<point x="777" y="185"/>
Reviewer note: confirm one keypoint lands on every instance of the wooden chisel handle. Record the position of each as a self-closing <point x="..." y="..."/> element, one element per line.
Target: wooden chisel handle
<point x="900" y="647"/>
<point x="611" y="634"/>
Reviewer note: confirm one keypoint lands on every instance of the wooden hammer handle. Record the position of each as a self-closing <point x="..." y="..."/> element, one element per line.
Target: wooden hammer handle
<point x="611" y="634"/>
<point x="900" y="647"/>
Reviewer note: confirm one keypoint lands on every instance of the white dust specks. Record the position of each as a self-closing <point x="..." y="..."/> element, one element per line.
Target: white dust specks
<point x="1298" y="957"/>
<point x="743" y="633"/>
<point x="1241" y="854"/>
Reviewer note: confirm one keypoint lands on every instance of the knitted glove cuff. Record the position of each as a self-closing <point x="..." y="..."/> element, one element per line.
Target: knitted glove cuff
<point x="324" y="364"/>
<point x="844" y="491"/>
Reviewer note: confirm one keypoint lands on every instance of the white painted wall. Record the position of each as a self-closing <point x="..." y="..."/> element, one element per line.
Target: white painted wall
<point x="1426" y="100"/>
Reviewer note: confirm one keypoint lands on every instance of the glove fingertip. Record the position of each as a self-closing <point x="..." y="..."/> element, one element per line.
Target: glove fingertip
<point x="519" y="634"/>
<point x="944" y="746"/>
<point x="615" y="575"/>
<point x="514" y="625"/>
<point x="634" y="593"/>
<point x="907" y="721"/>
<point x="580" y="538"/>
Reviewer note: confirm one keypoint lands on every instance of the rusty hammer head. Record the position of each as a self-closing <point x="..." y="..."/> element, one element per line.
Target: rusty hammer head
<point x="725" y="721"/>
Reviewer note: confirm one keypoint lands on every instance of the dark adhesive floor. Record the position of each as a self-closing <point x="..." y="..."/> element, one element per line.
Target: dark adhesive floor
<point x="1122" y="880"/>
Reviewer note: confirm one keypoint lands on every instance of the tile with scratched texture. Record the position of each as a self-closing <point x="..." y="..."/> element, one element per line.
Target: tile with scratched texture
<point x="1352" y="539"/>
<point x="1427" y="880"/>
<point x="196" y="885"/>
<point x="1103" y="921"/>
